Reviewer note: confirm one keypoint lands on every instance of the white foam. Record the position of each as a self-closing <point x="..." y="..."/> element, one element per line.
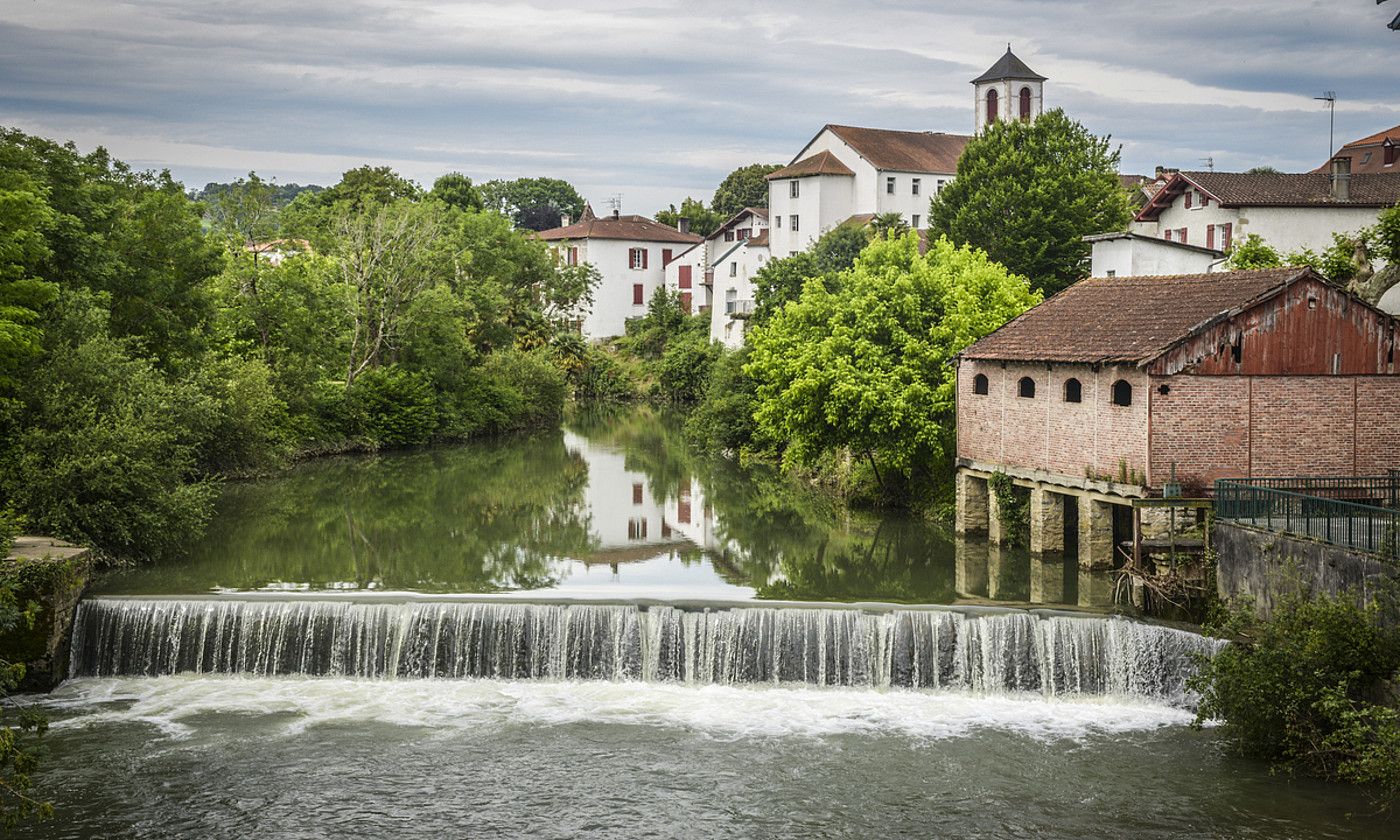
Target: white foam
<point x="727" y="712"/>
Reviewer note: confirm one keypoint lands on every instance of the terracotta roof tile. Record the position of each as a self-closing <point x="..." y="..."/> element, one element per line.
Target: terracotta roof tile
<point x="1106" y="320"/>
<point x="635" y="228"/>
<point x="1308" y="189"/>
<point x="822" y="163"/>
<point x="1366" y="154"/>
<point x="905" y="151"/>
<point x="759" y="241"/>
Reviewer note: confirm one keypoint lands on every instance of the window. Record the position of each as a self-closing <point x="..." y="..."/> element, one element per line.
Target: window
<point x="572" y="258"/>
<point x="1226" y="232"/>
<point x="916" y="186"/>
<point x="778" y="222"/>
<point x="1074" y="390"/>
<point x="734" y="269"/>
<point x="1025" y="103"/>
<point x="729" y="236"/>
<point x="665" y="256"/>
<point x="636" y="493"/>
<point x="1122" y="393"/>
<point x="637" y="258"/>
<point x="742" y="233"/>
<point x="793" y="219"/>
<point x="638" y="292"/>
<point x="915" y="223"/>
<point x="1181" y="235"/>
<point x="1392" y="154"/>
<point x="794" y="189"/>
<point x="941" y="185"/>
<point x="979" y="384"/>
<point x="1110" y="273"/>
<point x="684" y="277"/>
<point x="889" y="185"/>
<point x="1167" y="234"/>
<point x="1026" y="387"/>
<point x="637" y="528"/>
<point x="992" y="106"/>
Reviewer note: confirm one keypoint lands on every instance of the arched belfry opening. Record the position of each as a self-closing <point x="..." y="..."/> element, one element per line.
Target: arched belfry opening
<point x="1009" y="90"/>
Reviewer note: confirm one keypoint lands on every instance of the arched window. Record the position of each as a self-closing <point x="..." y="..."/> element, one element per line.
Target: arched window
<point x="979" y="384"/>
<point x="1026" y="387"/>
<point x="1025" y="103"/>
<point x="1074" y="391"/>
<point x="1122" y="393"/>
<point x="992" y="106"/>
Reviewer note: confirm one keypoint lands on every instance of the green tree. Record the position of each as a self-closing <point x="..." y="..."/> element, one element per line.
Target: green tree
<point x="1251" y="252"/>
<point x="25" y="218"/>
<point x="703" y="221"/>
<point x="889" y="225"/>
<point x="456" y="190"/>
<point x="532" y="203"/>
<point x="782" y="280"/>
<point x="746" y="186"/>
<point x="19" y="756"/>
<point x="1027" y="193"/>
<point x="867" y="367"/>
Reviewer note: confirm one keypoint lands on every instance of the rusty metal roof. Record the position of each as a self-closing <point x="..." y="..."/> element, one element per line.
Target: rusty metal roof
<point x="1121" y="320"/>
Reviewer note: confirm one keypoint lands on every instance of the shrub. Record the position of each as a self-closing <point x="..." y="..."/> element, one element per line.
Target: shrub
<point x="685" y="366"/>
<point x="11" y="525"/>
<point x="723" y="421"/>
<point x="393" y="407"/>
<point x="1303" y="689"/>
<point x="246" y="428"/>
<point x="523" y="390"/>
<point x="600" y="377"/>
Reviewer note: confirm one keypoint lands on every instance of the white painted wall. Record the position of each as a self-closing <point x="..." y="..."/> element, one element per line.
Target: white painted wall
<point x="1130" y="257"/>
<point x="615" y="518"/>
<point x="1284" y="228"/>
<point x="1008" y="100"/>
<point x="734" y="274"/>
<point x="612" y="299"/>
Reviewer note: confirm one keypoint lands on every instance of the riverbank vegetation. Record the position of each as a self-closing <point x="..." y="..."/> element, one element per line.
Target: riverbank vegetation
<point x="150" y="344"/>
<point x="1314" y="689"/>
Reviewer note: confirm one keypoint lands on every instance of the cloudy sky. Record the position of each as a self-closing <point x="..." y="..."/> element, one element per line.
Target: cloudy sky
<point x="657" y="99"/>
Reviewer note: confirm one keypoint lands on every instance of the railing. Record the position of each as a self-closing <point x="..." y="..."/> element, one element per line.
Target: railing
<point x="1370" y="528"/>
<point x="1374" y="490"/>
<point x="738" y="308"/>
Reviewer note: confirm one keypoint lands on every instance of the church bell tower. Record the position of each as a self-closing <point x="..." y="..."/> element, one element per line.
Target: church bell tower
<point x="1008" y="91"/>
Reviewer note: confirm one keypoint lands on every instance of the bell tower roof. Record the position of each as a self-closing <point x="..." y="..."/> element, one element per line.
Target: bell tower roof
<point x="1009" y="67"/>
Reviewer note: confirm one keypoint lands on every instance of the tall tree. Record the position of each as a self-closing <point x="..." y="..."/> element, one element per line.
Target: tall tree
<point x="532" y="203"/>
<point x="703" y="221"/>
<point x="866" y="367"/>
<point x="24" y="220"/>
<point x="744" y="187"/>
<point x="456" y="190"/>
<point x="1028" y="192"/>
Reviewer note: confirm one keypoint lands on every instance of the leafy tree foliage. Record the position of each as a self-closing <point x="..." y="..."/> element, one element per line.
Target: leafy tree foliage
<point x="746" y="186"/>
<point x="703" y="221"/>
<point x="1026" y="193"/>
<point x="1302" y="689"/>
<point x="456" y="190"/>
<point x="280" y="194"/>
<point x="866" y="367"/>
<point x="782" y="280"/>
<point x="532" y="203"/>
<point x="25" y="218"/>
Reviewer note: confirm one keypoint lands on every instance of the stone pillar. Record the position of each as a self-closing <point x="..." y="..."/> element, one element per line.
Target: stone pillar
<point x="1047" y="580"/>
<point x="973" y="501"/>
<point x="1095" y="589"/>
<point x="994" y="535"/>
<point x="1095" y="534"/>
<point x="995" y="571"/>
<point x="1047" y="521"/>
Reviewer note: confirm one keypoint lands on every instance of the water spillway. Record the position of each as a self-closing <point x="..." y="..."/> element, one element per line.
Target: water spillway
<point x="1010" y="651"/>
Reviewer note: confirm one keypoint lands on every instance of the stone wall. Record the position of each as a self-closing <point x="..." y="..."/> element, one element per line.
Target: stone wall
<point x="52" y="574"/>
<point x="1263" y="566"/>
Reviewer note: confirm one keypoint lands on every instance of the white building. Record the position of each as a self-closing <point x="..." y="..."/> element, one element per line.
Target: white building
<point x="1009" y="90"/>
<point x="629" y="252"/>
<point x="716" y="275"/>
<point x="1125" y="254"/>
<point x="1288" y="211"/>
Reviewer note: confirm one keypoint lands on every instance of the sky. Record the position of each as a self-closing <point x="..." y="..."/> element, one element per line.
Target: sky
<point x="657" y="100"/>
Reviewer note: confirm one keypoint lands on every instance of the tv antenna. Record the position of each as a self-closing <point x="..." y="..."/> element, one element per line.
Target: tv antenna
<point x="1209" y="161"/>
<point x="1330" y="97"/>
<point x="615" y="202"/>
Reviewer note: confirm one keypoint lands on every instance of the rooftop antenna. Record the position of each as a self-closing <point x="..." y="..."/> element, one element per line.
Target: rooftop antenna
<point x="615" y="202"/>
<point x="1330" y="97"/>
<point x="1209" y="161"/>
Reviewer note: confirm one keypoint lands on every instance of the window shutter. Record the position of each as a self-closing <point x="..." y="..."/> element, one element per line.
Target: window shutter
<point x="665" y="256"/>
<point x="1210" y="236"/>
<point x="644" y="258"/>
<point x="637" y="293"/>
<point x="1167" y="234"/>
<point x="1188" y="199"/>
<point x="1227" y="235"/>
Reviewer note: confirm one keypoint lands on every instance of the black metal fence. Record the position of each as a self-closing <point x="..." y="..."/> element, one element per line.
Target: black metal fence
<point x="1359" y="513"/>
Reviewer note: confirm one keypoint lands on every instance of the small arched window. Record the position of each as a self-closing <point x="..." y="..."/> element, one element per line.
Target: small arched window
<point x="1025" y="103"/>
<point x="1122" y="393"/>
<point x="1074" y="391"/>
<point x="992" y="106"/>
<point x="979" y="384"/>
<point x="1026" y="387"/>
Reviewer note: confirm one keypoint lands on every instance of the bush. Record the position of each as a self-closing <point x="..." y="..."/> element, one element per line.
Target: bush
<point x="685" y="366"/>
<point x="600" y="377"/>
<point x="1305" y="689"/>
<point x="723" y="421"/>
<point x="11" y="526"/>
<point x="392" y="406"/>
<point x="246" y="428"/>
<point x="523" y="390"/>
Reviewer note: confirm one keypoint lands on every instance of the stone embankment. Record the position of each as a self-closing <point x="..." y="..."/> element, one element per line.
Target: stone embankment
<point x="52" y="574"/>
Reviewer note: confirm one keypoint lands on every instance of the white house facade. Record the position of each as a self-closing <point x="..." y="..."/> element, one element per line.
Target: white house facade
<point x="1125" y="254"/>
<point x="715" y="276"/>
<point x="630" y="254"/>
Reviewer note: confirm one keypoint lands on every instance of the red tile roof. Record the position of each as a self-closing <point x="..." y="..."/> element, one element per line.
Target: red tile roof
<point x="904" y="151"/>
<point x="759" y="241"/>
<point x="1244" y="189"/>
<point x="822" y="163"/>
<point x="634" y="228"/>
<point x="1358" y="150"/>
<point x="1110" y="320"/>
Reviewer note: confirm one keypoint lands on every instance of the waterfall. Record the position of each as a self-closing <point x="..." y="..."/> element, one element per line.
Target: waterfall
<point x="927" y="649"/>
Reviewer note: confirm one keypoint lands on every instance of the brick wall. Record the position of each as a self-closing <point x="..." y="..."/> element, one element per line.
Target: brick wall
<point x="1046" y="432"/>
<point x="1222" y="426"/>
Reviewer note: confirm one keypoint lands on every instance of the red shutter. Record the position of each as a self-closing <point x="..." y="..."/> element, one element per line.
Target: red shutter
<point x="637" y="294"/>
<point x="1188" y="199"/>
<point x="1227" y="234"/>
<point x="644" y="258"/>
<point x="1210" y="236"/>
<point x="685" y="302"/>
<point x="1181" y="236"/>
<point x="1167" y="234"/>
<point x="685" y="277"/>
<point x="665" y="256"/>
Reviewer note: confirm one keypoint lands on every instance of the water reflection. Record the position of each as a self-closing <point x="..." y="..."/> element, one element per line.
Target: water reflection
<point x="614" y="505"/>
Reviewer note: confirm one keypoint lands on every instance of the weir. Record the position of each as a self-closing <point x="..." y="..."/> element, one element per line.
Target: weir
<point x="1010" y="651"/>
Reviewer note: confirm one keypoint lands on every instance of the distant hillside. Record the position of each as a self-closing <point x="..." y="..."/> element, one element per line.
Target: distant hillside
<point x="282" y="194"/>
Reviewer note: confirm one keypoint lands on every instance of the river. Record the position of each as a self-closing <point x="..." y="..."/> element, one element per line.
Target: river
<point x="592" y="633"/>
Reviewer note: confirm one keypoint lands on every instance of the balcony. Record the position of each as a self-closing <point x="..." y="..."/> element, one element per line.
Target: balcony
<point x="738" y="308"/>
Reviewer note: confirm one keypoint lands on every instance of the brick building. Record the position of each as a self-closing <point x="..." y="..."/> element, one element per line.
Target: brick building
<point x="1093" y="397"/>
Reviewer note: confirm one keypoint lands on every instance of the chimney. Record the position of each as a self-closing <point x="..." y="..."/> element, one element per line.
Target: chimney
<point x="617" y="213"/>
<point x="1341" y="179"/>
<point x="564" y="220"/>
<point x="683" y="224"/>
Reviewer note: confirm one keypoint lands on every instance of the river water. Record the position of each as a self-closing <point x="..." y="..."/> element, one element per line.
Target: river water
<point x="593" y="634"/>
